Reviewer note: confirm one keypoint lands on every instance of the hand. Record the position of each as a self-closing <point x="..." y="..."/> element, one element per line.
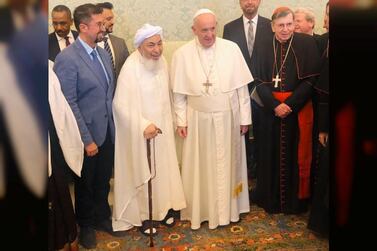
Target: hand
<point x="282" y="110"/>
<point x="151" y="131"/>
<point x="182" y="131"/>
<point x="323" y="138"/>
<point x="244" y="129"/>
<point x="91" y="149"/>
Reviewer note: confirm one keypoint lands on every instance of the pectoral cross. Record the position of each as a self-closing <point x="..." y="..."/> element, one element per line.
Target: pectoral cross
<point x="276" y="80"/>
<point x="207" y="85"/>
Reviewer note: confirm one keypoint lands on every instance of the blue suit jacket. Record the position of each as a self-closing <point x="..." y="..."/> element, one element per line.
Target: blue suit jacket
<point x="89" y="98"/>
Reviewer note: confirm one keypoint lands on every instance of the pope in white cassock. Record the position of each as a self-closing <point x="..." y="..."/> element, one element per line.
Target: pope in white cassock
<point x="141" y="106"/>
<point x="212" y="105"/>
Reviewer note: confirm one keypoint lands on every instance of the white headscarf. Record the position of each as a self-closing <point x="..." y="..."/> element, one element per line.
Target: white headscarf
<point x="145" y="32"/>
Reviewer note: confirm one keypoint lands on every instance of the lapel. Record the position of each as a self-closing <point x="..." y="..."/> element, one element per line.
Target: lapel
<point x="88" y="61"/>
<point x="261" y="27"/>
<point x="239" y="29"/>
<point x="54" y="48"/>
<point x="115" y="48"/>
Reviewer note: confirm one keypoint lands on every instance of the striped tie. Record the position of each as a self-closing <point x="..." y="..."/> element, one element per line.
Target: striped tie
<point x="250" y="38"/>
<point x="67" y="43"/>
<point x="108" y="49"/>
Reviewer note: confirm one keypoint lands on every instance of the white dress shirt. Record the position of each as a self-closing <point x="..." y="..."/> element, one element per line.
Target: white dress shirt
<point x="246" y="24"/>
<point x="61" y="40"/>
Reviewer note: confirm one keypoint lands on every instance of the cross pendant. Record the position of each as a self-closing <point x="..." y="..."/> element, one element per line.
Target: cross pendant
<point x="207" y="85"/>
<point x="276" y="80"/>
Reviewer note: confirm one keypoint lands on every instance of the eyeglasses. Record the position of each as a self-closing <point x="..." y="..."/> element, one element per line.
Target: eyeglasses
<point x="99" y="24"/>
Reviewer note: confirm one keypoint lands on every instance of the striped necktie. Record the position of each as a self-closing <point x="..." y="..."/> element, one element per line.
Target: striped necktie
<point x="250" y="38"/>
<point x="67" y="43"/>
<point x="108" y="49"/>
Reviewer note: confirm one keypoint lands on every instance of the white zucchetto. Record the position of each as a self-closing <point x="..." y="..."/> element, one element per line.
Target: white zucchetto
<point x="202" y="11"/>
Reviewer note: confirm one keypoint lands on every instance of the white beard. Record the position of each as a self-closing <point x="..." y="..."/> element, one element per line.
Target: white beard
<point x="150" y="64"/>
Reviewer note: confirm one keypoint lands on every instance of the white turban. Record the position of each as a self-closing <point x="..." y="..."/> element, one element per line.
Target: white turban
<point x="202" y="11"/>
<point x="145" y="32"/>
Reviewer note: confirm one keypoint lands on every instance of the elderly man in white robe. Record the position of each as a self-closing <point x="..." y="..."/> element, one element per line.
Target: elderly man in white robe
<point x="142" y="107"/>
<point x="209" y="77"/>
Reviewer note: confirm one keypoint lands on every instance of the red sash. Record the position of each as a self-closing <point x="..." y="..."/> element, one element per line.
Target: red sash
<point x="305" y="124"/>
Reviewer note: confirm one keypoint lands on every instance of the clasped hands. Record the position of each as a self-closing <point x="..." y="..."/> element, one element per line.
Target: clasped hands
<point x="282" y="110"/>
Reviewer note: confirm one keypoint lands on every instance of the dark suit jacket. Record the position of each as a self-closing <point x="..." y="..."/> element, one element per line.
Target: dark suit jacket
<point x="88" y="96"/>
<point x="6" y="24"/>
<point x="53" y="45"/>
<point x="235" y="32"/>
<point x="121" y="53"/>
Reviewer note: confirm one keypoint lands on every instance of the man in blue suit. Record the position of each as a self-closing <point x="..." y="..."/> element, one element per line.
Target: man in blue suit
<point x="87" y="81"/>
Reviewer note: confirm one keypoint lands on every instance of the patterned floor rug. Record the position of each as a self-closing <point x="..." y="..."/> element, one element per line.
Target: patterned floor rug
<point x="256" y="230"/>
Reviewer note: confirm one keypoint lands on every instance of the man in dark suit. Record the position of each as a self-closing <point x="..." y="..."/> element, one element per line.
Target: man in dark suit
<point x="260" y="32"/>
<point x="87" y="81"/>
<point x="63" y="35"/>
<point x="113" y="44"/>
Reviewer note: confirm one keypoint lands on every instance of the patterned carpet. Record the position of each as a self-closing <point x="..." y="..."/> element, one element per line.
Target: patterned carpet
<point x="255" y="231"/>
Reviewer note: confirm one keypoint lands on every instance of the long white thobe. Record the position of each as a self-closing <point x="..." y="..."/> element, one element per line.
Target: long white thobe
<point x="214" y="170"/>
<point x="65" y="125"/>
<point x="141" y="98"/>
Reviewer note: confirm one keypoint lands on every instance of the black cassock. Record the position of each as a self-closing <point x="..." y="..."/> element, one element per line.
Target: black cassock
<point x="278" y="170"/>
<point x="319" y="215"/>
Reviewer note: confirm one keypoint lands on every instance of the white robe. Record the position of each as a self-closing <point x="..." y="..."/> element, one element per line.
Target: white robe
<point x="65" y="125"/>
<point x="214" y="170"/>
<point x="141" y="98"/>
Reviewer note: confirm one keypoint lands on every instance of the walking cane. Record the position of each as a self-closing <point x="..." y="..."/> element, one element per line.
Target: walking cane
<point x="150" y="194"/>
<point x="150" y="190"/>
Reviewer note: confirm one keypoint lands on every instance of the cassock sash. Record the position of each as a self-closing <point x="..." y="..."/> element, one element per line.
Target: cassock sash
<point x="305" y="123"/>
<point x="216" y="103"/>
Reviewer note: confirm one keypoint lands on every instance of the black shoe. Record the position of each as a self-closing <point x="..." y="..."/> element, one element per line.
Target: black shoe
<point x="87" y="237"/>
<point x="169" y="215"/>
<point x="146" y="226"/>
<point x="106" y="226"/>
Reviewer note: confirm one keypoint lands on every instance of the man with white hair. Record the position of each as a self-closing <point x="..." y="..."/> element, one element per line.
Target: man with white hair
<point x="304" y="21"/>
<point x="212" y="105"/>
<point x="142" y="109"/>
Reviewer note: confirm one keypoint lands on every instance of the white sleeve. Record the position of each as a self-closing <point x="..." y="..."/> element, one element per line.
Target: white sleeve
<point x="245" y="108"/>
<point x="180" y="109"/>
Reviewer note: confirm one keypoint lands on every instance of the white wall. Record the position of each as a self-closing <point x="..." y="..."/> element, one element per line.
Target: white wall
<point x="175" y="16"/>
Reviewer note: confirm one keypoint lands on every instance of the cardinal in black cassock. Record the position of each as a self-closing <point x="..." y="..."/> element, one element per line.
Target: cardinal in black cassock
<point x="284" y="84"/>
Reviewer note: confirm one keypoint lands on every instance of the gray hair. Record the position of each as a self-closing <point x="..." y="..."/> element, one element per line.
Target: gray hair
<point x="309" y="15"/>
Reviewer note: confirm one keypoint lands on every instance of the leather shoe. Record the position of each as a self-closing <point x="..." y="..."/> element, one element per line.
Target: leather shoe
<point x="107" y="227"/>
<point x="87" y="237"/>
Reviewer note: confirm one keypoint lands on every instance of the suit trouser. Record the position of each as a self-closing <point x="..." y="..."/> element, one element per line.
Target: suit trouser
<point x="251" y="145"/>
<point x="92" y="189"/>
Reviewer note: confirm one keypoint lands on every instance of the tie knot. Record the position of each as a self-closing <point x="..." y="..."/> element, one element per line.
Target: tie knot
<point x="105" y="39"/>
<point x="94" y="54"/>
